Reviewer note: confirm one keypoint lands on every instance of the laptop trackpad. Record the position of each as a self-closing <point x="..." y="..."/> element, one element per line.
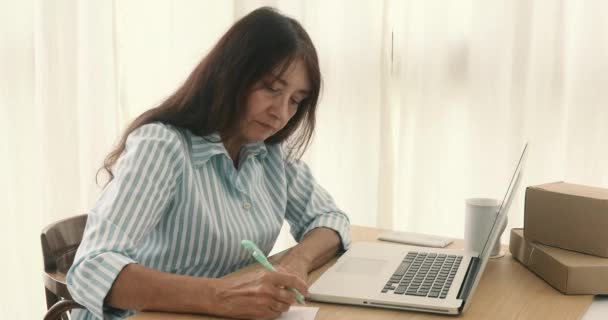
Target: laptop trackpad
<point x="360" y="266"/>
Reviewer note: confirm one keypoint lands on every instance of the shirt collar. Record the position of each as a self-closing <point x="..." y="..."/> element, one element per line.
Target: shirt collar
<point x="205" y="148"/>
<point x="257" y="149"/>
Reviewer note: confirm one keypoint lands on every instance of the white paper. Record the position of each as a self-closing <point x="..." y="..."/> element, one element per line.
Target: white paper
<point x="299" y="313"/>
<point x="598" y="309"/>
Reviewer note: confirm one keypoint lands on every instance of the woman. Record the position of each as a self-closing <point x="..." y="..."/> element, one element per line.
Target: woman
<point x="210" y="166"/>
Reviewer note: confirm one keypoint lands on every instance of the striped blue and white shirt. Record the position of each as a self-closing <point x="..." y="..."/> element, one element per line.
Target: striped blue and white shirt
<point x="178" y="204"/>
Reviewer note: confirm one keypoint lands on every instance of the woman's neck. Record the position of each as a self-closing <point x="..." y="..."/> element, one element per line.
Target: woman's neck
<point x="233" y="146"/>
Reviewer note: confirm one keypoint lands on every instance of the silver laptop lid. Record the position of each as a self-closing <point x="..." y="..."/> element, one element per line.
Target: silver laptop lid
<point x="496" y="227"/>
<point x="505" y="205"/>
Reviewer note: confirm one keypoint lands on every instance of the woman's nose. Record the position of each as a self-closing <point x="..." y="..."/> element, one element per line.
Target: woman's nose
<point x="280" y="108"/>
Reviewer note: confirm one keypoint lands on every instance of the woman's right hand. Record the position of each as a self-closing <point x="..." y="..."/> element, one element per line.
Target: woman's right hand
<point x="260" y="294"/>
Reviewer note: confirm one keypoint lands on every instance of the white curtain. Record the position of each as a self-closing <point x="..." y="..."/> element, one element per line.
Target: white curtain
<point x="72" y="75"/>
<point x="425" y="103"/>
<point x="470" y="81"/>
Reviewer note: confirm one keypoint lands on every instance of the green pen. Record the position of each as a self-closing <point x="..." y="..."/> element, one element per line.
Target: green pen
<point x="261" y="258"/>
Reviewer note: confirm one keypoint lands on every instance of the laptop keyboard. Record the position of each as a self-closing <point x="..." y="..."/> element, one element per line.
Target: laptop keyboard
<point x="424" y="275"/>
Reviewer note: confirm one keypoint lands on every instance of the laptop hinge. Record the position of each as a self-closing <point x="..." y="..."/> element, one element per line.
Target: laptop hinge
<point x="469" y="277"/>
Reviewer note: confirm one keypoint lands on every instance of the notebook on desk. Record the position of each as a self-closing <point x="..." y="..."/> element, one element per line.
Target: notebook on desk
<point x="414" y="278"/>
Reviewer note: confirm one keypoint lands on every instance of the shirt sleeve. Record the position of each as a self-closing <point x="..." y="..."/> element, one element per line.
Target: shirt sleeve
<point x="130" y="206"/>
<point x="309" y="206"/>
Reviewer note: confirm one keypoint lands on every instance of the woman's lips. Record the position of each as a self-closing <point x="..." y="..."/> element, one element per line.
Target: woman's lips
<point x="266" y="126"/>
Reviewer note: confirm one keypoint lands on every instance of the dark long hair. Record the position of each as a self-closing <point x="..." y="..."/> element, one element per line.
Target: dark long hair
<point x="213" y="97"/>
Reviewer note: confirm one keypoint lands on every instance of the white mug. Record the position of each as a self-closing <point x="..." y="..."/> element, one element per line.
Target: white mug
<point x="480" y="214"/>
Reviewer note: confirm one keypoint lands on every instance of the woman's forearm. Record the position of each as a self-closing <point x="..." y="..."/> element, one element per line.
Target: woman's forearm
<point x="144" y="289"/>
<point x="318" y="246"/>
<point x="257" y="294"/>
<point x="141" y="288"/>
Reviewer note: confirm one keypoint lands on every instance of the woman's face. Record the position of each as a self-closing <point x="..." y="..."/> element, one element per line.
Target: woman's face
<point x="273" y="101"/>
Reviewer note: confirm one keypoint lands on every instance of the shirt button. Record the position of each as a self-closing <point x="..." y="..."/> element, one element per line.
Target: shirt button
<point x="246" y="205"/>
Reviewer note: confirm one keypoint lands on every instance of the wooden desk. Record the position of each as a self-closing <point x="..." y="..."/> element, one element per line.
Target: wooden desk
<point x="507" y="290"/>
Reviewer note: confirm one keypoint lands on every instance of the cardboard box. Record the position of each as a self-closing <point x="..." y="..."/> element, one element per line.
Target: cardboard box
<point x="568" y="216"/>
<point x="567" y="271"/>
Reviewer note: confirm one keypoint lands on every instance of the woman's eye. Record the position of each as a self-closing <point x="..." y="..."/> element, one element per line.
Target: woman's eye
<point x="295" y="103"/>
<point x="271" y="88"/>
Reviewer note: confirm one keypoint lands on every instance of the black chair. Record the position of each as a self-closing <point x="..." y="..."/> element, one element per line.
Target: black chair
<point x="60" y="240"/>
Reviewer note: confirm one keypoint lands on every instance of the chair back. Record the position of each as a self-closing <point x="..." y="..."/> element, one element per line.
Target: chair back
<point x="60" y="240"/>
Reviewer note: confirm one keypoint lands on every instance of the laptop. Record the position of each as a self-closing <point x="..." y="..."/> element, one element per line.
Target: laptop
<point x="398" y="276"/>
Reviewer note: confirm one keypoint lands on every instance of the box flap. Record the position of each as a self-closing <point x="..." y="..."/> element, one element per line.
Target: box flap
<point x="567" y="257"/>
<point x="574" y="189"/>
<point x="575" y="259"/>
<point x="537" y="260"/>
<point x="568" y="271"/>
<point x="548" y="268"/>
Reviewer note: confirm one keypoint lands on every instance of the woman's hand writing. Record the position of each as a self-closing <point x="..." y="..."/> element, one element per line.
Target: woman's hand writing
<point x="260" y="294"/>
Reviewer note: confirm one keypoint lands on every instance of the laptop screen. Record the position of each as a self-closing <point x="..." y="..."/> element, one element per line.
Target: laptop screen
<point x="501" y="217"/>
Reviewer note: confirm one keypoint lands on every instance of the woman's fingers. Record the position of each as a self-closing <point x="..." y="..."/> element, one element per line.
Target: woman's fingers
<point x="279" y="306"/>
<point x="271" y="308"/>
<point x="260" y="295"/>
<point x="286" y="280"/>
<point x="276" y="293"/>
<point x="286" y="296"/>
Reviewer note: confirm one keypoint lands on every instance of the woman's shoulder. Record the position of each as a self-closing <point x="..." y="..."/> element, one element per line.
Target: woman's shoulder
<point x="157" y="130"/>
<point x="164" y="137"/>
